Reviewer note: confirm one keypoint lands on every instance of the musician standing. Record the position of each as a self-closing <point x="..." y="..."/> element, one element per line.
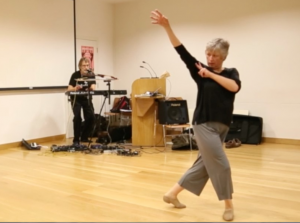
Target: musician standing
<point x="78" y="102"/>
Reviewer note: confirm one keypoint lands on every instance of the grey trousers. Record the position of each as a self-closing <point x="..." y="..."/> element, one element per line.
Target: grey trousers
<point x="211" y="163"/>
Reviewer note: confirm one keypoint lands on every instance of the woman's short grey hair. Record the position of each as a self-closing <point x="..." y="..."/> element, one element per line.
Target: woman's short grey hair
<point x="219" y="45"/>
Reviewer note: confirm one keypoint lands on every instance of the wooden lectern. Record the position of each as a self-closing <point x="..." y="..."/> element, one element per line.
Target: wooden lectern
<point x="146" y="130"/>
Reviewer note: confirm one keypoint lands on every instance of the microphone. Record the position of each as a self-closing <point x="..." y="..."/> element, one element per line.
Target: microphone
<point x="89" y="73"/>
<point x="147" y="70"/>
<point x="151" y="68"/>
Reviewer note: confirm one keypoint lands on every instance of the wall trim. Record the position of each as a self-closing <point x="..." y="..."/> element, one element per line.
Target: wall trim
<point x="281" y="141"/>
<point x="38" y="141"/>
<point x="63" y="137"/>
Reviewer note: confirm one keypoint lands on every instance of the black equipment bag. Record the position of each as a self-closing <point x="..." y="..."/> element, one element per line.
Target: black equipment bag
<point x="120" y="133"/>
<point x="246" y="128"/>
<point x="116" y="134"/>
<point x="101" y="124"/>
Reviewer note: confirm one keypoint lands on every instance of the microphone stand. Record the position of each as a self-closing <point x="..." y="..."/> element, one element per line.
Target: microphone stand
<point x="151" y="69"/>
<point x="108" y="94"/>
<point x="89" y="96"/>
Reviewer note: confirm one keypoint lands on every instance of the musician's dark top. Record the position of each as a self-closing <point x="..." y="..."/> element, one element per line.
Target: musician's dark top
<point x="214" y="102"/>
<point x="84" y="84"/>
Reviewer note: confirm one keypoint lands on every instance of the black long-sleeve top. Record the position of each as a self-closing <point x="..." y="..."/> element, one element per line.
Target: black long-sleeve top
<point x="214" y="102"/>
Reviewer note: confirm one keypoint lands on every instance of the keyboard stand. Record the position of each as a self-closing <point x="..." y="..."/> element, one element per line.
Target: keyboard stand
<point x="106" y="95"/>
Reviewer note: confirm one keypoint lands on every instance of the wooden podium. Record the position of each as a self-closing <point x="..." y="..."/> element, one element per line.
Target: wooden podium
<point x="146" y="130"/>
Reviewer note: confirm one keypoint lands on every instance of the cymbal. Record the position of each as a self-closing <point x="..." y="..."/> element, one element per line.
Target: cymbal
<point x="106" y="79"/>
<point x="109" y="79"/>
<point x="85" y="79"/>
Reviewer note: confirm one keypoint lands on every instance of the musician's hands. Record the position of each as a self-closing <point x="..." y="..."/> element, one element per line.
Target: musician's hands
<point x="92" y="87"/>
<point x="78" y="87"/>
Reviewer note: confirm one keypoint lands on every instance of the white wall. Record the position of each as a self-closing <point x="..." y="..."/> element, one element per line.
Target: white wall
<point x="264" y="37"/>
<point x="32" y="34"/>
<point x="38" y="114"/>
<point x="30" y="115"/>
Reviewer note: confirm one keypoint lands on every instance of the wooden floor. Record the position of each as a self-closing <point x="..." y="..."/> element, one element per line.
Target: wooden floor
<point x="75" y="187"/>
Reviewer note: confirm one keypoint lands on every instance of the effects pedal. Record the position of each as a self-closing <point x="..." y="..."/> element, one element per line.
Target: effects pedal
<point x="127" y="152"/>
<point x="31" y="146"/>
<point x="94" y="149"/>
<point x="68" y="148"/>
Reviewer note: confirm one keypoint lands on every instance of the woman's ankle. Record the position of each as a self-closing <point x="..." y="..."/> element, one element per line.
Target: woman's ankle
<point x="228" y="204"/>
<point x="170" y="194"/>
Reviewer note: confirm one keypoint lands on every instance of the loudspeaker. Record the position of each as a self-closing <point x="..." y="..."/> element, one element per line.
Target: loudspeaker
<point x="173" y="112"/>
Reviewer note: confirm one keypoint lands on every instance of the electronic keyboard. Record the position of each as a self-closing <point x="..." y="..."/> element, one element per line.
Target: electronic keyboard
<point x="97" y="92"/>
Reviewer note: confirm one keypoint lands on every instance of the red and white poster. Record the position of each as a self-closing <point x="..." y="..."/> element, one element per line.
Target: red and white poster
<point x="88" y="52"/>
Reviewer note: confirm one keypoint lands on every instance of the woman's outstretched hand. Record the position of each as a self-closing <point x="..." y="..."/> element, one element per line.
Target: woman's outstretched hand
<point x="158" y="18"/>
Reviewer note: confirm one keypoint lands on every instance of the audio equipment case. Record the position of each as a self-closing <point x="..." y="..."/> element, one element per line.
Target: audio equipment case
<point x="246" y="128"/>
